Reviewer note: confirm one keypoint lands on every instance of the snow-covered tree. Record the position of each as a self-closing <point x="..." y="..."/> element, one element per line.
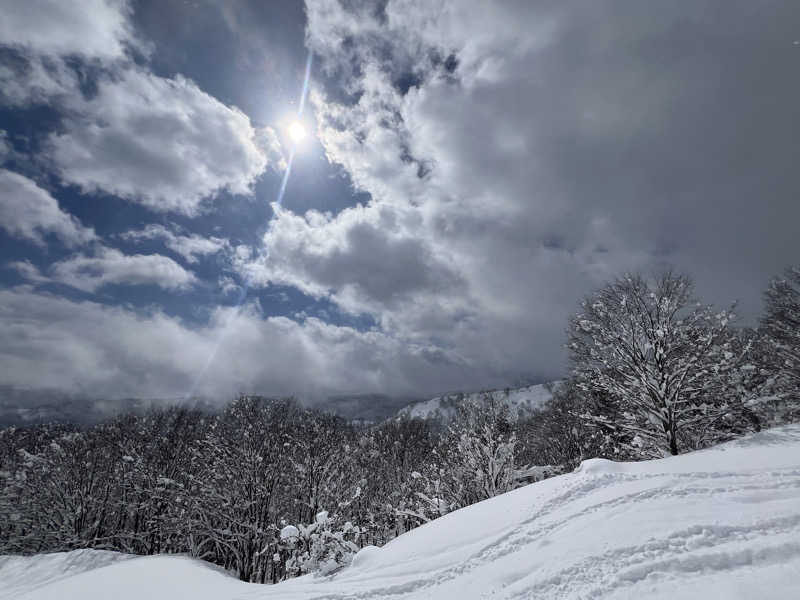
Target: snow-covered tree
<point x="662" y="360"/>
<point x="485" y="443"/>
<point x="381" y="463"/>
<point x="781" y="325"/>
<point x="244" y="464"/>
<point x="555" y="438"/>
<point x="473" y="461"/>
<point x="318" y="456"/>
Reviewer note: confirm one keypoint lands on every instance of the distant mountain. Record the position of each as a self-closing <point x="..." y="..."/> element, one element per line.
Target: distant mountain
<point x="19" y="407"/>
<point x="520" y="401"/>
<point x="366" y="408"/>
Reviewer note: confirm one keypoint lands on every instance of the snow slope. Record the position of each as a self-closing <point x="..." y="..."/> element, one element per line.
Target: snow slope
<point x="721" y="523"/>
<point x="19" y="574"/>
<point x="137" y="578"/>
<point x="521" y="402"/>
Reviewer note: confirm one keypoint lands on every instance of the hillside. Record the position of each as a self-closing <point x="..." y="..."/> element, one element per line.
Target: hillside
<point x="521" y="402"/>
<point x="720" y="523"/>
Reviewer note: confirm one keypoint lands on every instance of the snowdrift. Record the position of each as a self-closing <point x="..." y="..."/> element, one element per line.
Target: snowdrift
<point x="720" y="523"/>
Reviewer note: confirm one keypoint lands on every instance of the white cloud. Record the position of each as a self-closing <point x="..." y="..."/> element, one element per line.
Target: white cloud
<point x="110" y="266"/>
<point x="267" y="140"/>
<point x="364" y="257"/>
<point x="159" y="141"/>
<point x="112" y="352"/>
<point x="5" y="146"/>
<point x="162" y="142"/>
<point x="35" y="80"/>
<point x="227" y="284"/>
<point x="92" y="28"/>
<point x="190" y="247"/>
<point x="43" y="33"/>
<point x="30" y="212"/>
<point x="28" y="271"/>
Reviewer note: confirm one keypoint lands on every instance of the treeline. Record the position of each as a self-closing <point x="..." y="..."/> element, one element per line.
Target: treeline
<point x="266" y="488"/>
<point x="270" y="490"/>
<point x="220" y="487"/>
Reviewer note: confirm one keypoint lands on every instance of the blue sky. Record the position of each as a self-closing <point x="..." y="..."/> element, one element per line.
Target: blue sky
<point x="190" y="42"/>
<point x="470" y="171"/>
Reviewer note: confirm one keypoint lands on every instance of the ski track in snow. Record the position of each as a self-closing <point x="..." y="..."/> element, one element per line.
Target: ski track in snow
<point x="676" y="553"/>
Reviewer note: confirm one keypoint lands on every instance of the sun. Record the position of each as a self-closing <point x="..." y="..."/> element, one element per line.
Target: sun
<point x="297" y="132"/>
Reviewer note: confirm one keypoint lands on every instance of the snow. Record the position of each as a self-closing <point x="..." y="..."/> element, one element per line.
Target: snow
<point x="22" y="573"/>
<point x="364" y="556"/>
<point x="521" y="402"/>
<point x="151" y="577"/>
<point x="720" y="523"/>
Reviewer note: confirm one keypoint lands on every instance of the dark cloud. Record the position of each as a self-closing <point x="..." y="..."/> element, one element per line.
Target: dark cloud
<point x="570" y="144"/>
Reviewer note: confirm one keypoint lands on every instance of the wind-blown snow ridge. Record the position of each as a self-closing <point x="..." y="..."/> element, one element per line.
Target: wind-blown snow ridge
<point x="720" y="523"/>
<point x="521" y="402"/>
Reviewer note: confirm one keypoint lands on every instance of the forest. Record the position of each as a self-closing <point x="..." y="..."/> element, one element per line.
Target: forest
<point x="269" y="489"/>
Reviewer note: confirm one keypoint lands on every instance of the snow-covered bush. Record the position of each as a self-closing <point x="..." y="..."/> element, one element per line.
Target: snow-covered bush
<point x="322" y="547"/>
<point x="425" y="492"/>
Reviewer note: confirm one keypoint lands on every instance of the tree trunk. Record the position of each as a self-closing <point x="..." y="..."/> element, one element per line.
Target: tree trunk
<point x="672" y="435"/>
<point x="673" y="439"/>
<point x="673" y="444"/>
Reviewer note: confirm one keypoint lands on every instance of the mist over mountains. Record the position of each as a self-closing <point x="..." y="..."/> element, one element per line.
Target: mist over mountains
<point x="19" y="407"/>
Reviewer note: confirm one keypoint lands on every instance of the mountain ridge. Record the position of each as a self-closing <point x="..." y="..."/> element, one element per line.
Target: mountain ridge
<point x="521" y="402"/>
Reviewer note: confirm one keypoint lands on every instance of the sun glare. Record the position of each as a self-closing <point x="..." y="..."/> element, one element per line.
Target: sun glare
<point x="297" y="132"/>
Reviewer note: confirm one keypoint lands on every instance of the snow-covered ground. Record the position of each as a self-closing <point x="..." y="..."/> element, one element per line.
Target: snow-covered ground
<point x="521" y="402"/>
<point x="721" y="523"/>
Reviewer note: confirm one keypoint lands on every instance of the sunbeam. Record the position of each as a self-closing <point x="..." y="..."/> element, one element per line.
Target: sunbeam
<point x="297" y="133"/>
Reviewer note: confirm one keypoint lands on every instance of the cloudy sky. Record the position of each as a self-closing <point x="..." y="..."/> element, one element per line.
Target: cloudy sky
<point x="470" y="170"/>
